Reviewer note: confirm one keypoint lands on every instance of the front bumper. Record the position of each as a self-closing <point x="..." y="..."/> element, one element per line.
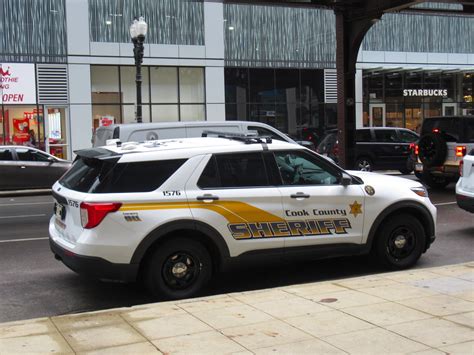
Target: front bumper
<point x="465" y="202"/>
<point x="95" y="267"/>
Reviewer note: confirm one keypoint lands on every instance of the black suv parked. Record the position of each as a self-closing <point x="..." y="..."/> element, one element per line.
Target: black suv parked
<point x="376" y="148"/>
<point x="443" y="143"/>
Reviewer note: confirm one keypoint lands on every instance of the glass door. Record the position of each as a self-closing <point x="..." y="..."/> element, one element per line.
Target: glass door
<point x="56" y="132"/>
<point x="449" y="109"/>
<point x="377" y="115"/>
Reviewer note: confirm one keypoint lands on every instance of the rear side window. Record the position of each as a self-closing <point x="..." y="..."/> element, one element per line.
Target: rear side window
<point x="363" y="135"/>
<point x="102" y="176"/>
<point x="386" y="136"/>
<point x="6" y="154"/>
<point x="26" y="154"/>
<point x="234" y="170"/>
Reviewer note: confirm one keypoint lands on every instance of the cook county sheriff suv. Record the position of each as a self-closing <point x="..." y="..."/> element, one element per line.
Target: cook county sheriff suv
<point x="173" y="212"/>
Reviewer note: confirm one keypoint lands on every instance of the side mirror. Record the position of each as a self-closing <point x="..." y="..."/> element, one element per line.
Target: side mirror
<point x="51" y="159"/>
<point x="346" y="179"/>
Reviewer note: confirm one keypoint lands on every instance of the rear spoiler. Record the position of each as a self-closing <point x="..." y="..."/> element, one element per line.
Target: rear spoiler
<point x="98" y="153"/>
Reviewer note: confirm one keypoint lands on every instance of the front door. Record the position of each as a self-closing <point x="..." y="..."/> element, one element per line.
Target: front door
<point x="318" y="209"/>
<point x="234" y="196"/>
<point x="377" y="115"/>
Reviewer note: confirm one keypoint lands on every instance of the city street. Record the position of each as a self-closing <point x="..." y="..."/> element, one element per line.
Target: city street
<point x="34" y="284"/>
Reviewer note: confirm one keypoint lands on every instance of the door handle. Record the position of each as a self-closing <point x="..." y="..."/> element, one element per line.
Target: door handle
<point x="22" y="167"/>
<point x="207" y="198"/>
<point x="299" y="195"/>
<point x="396" y="147"/>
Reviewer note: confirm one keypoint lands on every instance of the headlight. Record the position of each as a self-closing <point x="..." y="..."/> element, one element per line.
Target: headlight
<point x="420" y="191"/>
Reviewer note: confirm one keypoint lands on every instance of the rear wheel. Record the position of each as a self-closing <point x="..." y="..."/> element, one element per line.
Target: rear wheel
<point x="400" y="242"/>
<point x="364" y="164"/>
<point x="179" y="268"/>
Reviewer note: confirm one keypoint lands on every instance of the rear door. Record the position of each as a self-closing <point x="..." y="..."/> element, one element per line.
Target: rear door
<point x="9" y="169"/>
<point x="389" y="150"/>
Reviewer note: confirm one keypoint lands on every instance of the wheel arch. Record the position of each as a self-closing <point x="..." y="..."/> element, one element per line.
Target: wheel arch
<point x="410" y="207"/>
<point x="207" y="235"/>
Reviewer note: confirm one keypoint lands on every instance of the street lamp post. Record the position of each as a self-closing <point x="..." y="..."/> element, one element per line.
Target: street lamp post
<point x="138" y="30"/>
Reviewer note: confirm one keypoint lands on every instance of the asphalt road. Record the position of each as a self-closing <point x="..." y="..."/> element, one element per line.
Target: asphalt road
<point x="33" y="284"/>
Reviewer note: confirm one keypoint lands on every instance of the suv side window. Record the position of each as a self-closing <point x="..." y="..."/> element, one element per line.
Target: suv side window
<point x="407" y="137"/>
<point x="234" y="170"/>
<point x="6" y="154"/>
<point x="300" y="168"/>
<point x="363" y="135"/>
<point x="386" y="135"/>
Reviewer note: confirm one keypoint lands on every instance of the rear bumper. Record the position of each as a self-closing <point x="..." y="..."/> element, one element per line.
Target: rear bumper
<point x="465" y="202"/>
<point x="95" y="267"/>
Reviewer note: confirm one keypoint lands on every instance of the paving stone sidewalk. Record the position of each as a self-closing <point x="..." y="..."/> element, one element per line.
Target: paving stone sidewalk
<point x="427" y="311"/>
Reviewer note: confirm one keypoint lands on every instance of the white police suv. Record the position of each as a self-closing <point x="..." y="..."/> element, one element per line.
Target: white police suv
<point x="173" y="212"/>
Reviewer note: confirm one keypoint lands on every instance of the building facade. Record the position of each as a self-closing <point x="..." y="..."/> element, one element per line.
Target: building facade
<point x="70" y="68"/>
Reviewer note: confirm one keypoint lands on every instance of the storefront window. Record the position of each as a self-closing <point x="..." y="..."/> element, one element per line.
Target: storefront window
<point x="394" y="115"/>
<point x="191" y="85"/>
<point x="128" y="86"/>
<point x="22" y="125"/>
<point x="176" y="93"/>
<point x="193" y="112"/>
<point x="164" y="84"/>
<point x="165" y="113"/>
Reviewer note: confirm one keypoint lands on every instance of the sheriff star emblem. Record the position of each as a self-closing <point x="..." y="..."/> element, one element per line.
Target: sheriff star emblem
<point x="356" y="208"/>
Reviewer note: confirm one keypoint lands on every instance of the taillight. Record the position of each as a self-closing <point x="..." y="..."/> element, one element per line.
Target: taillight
<point x="94" y="213"/>
<point x="435" y="130"/>
<point x="461" y="165"/>
<point x="460" y="150"/>
<point x="417" y="149"/>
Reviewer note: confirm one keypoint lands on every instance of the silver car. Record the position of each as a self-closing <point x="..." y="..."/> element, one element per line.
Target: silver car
<point x="24" y="167"/>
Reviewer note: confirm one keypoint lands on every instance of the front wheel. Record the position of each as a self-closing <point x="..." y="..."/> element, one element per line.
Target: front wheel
<point x="179" y="268"/>
<point x="400" y="242"/>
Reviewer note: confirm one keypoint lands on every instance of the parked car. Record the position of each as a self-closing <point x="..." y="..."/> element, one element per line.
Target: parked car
<point x="376" y="148"/>
<point x="140" y="132"/>
<point x="24" y="167"/>
<point x="443" y="143"/>
<point x="465" y="184"/>
<point x="203" y="205"/>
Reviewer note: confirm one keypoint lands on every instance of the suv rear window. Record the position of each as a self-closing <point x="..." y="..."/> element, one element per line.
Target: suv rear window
<point x="101" y="176"/>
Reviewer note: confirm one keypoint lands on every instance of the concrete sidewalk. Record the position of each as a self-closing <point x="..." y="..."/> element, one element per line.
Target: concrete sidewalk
<point x="427" y="311"/>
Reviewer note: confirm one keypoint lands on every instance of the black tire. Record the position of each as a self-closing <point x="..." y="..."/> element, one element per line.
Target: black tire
<point x="435" y="182"/>
<point x="364" y="164"/>
<point x="432" y="149"/>
<point x="400" y="241"/>
<point x="179" y="268"/>
<point x="409" y="167"/>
